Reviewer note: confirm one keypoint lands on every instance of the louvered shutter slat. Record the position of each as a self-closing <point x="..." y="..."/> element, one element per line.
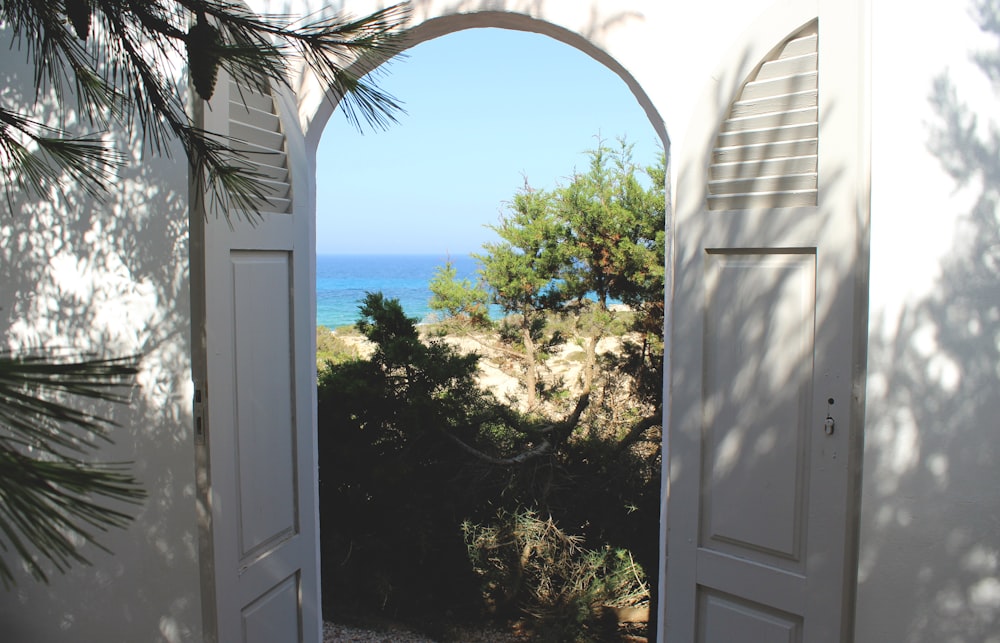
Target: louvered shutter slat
<point x="762" y="200"/>
<point x="781" y="86"/>
<point x="769" y="184"/>
<point x="263" y="138"/>
<point x="256" y="118"/>
<point x="768" y="134"/>
<point x="808" y="43"/>
<point x="752" y="170"/>
<point x="788" y="67"/>
<point x="774" y="104"/>
<point x="255" y="126"/>
<point x="766" y="153"/>
<point x="250" y="98"/>
<point x="806" y="116"/>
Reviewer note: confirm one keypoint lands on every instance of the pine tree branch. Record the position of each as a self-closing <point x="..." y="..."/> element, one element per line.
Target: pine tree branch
<point x="51" y="493"/>
<point x="638" y="428"/>
<point x="91" y="162"/>
<point x="552" y="434"/>
<point x="119" y="77"/>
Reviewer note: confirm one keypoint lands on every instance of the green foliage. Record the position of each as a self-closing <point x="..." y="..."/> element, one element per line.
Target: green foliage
<point x="394" y="481"/>
<point x="615" y="240"/>
<point x="332" y="349"/>
<point x="114" y="58"/>
<point x="604" y="211"/>
<point x="520" y="270"/>
<point x="460" y="300"/>
<point x="529" y="563"/>
<point x="615" y="248"/>
<point x="411" y="450"/>
<point x="408" y="438"/>
<point x="51" y="490"/>
<point x="601" y="236"/>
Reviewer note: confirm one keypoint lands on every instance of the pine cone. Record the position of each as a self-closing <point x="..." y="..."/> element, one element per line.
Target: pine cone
<point x="203" y="42"/>
<point x="78" y="12"/>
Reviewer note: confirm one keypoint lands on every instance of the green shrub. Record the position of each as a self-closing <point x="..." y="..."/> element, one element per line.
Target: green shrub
<point x="332" y="349"/>
<point x="420" y="494"/>
<point x="394" y="485"/>
<point x="529" y="564"/>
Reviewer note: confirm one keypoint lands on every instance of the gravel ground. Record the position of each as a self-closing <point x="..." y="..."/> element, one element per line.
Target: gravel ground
<point x="334" y="633"/>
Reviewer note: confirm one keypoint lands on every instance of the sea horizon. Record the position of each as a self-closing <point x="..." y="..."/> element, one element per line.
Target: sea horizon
<point x="343" y="279"/>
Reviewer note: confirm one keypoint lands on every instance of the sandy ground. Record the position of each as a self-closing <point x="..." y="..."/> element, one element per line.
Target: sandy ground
<point x="496" y="371"/>
<point x="334" y="633"/>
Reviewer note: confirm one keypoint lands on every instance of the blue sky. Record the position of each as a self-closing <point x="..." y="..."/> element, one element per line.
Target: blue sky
<point x="485" y="107"/>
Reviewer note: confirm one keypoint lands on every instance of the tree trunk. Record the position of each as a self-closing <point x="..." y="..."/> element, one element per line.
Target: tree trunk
<point x="530" y="362"/>
<point x="590" y="365"/>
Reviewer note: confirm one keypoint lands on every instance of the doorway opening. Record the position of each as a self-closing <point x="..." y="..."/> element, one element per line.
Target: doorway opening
<point x="414" y="516"/>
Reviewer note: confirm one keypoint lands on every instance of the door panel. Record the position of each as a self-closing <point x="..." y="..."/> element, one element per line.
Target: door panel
<point x="723" y="619"/>
<point x="257" y="476"/>
<point x="265" y="419"/>
<point x="758" y="368"/>
<point x="752" y="431"/>
<point x="275" y="616"/>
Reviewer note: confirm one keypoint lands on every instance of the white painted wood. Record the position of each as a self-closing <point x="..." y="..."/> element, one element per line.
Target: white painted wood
<point x="773" y="119"/>
<point x="764" y="333"/>
<point x="256" y="128"/>
<point x="257" y="382"/>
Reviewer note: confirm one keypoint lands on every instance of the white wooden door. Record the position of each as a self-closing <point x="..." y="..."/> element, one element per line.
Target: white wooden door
<point x="765" y="409"/>
<point x="255" y="392"/>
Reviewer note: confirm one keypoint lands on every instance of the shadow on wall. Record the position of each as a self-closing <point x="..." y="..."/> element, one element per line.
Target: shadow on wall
<point x="110" y="278"/>
<point x="934" y="388"/>
<point x="599" y="20"/>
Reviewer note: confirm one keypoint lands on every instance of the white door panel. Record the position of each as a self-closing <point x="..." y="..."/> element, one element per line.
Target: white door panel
<point x="758" y="369"/>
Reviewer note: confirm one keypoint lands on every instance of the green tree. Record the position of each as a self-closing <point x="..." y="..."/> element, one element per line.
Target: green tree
<point x="111" y="62"/>
<point x="613" y="239"/>
<point x="645" y="293"/>
<point x="521" y="270"/>
<point x="408" y="438"/>
<point x="460" y="299"/>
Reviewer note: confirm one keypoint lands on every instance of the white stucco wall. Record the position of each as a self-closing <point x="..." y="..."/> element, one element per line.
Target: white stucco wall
<point x="930" y="531"/>
<point x="111" y="278"/>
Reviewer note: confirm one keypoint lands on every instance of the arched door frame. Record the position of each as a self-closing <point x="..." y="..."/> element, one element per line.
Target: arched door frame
<point x="316" y="107"/>
<point x="315" y="116"/>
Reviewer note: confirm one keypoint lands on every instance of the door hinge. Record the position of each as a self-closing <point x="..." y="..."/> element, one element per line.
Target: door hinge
<point x="199" y="414"/>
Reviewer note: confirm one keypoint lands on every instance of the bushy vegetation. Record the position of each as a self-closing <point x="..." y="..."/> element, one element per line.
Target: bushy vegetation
<point x="440" y="501"/>
<point x="568" y="590"/>
<point x="396" y="480"/>
<point x="332" y="348"/>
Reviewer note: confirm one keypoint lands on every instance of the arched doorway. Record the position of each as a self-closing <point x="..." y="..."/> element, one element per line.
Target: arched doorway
<point x="753" y="277"/>
<point x="334" y="206"/>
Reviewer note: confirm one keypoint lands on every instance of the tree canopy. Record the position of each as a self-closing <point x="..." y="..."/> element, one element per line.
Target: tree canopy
<point x="599" y="238"/>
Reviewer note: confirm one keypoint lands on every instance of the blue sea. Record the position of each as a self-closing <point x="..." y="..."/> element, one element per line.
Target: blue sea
<point x="343" y="280"/>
